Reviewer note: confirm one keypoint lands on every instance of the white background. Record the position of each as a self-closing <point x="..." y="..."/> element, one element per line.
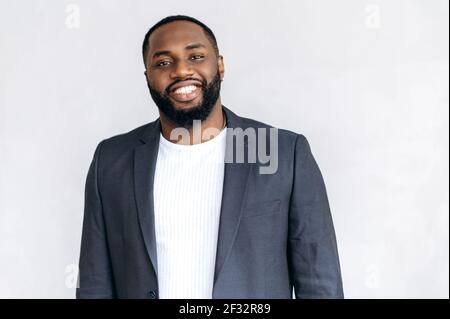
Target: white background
<point x="365" y="81"/>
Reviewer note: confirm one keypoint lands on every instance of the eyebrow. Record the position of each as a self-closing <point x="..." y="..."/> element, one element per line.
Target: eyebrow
<point x="188" y="47"/>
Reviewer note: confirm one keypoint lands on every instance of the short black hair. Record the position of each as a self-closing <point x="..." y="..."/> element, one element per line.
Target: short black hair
<point x="208" y="32"/>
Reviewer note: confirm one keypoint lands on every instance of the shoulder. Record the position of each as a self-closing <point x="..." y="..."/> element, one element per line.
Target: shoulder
<point x="125" y="142"/>
<point x="285" y="137"/>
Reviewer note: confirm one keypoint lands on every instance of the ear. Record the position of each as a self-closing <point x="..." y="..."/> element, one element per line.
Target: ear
<point x="221" y="67"/>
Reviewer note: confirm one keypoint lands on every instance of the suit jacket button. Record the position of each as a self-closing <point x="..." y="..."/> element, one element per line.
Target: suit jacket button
<point x="152" y="294"/>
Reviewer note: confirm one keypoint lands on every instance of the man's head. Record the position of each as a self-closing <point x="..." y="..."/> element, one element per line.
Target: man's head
<point x="183" y="69"/>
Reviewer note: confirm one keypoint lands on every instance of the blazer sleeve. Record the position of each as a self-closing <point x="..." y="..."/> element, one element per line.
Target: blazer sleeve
<point x="95" y="274"/>
<point x="312" y="250"/>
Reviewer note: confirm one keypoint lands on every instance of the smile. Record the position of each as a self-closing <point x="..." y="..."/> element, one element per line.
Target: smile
<point x="185" y="93"/>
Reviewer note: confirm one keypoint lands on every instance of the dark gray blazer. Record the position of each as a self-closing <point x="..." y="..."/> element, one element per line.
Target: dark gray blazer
<point x="276" y="233"/>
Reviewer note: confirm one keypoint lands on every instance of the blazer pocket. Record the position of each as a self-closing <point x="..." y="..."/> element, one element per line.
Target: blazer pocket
<point x="262" y="208"/>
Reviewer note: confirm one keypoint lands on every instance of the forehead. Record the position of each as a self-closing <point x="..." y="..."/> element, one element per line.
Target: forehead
<point x="177" y="34"/>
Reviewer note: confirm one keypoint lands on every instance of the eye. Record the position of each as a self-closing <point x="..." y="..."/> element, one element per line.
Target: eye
<point x="162" y="63"/>
<point x="197" y="57"/>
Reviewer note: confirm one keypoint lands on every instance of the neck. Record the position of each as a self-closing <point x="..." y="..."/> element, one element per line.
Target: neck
<point x="208" y="129"/>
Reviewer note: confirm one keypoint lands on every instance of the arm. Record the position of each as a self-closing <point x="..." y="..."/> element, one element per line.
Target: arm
<point x="95" y="274"/>
<point x="312" y="250"/>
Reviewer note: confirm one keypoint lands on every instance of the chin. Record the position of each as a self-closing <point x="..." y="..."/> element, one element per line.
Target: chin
<point x="186" y="105"/>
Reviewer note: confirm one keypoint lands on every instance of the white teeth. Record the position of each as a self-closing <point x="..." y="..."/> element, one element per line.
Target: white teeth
<point x="185" y="89"/>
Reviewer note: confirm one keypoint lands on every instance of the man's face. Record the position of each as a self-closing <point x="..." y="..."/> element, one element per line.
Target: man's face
<point x="183" y="72"/>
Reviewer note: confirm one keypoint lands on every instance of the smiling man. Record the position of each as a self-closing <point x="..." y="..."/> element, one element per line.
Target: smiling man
<point x="171" y="217"/>
<point x="184" y="71"/>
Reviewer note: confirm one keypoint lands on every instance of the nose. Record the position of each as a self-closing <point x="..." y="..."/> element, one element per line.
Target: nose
<point x="181" y="70"/>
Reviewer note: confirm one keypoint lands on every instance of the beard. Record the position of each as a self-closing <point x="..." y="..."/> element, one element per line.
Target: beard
<point x="185" y="117"/>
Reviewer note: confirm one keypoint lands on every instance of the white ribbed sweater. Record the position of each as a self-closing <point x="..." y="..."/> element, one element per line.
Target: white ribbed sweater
<point x="187" y="196"/>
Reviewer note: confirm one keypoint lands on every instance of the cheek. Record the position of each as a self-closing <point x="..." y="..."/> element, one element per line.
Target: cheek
<point x="210" y="72"/>
<point x="206" y="76"/>
<point x="157" y="84"/>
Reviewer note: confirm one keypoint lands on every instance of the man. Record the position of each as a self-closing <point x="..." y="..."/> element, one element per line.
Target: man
<point x="179" y="218"/>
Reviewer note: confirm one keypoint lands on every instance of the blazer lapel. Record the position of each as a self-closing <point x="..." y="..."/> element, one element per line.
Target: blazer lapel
<point x="234" y="190"/>
<point x="145" y="157"/>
